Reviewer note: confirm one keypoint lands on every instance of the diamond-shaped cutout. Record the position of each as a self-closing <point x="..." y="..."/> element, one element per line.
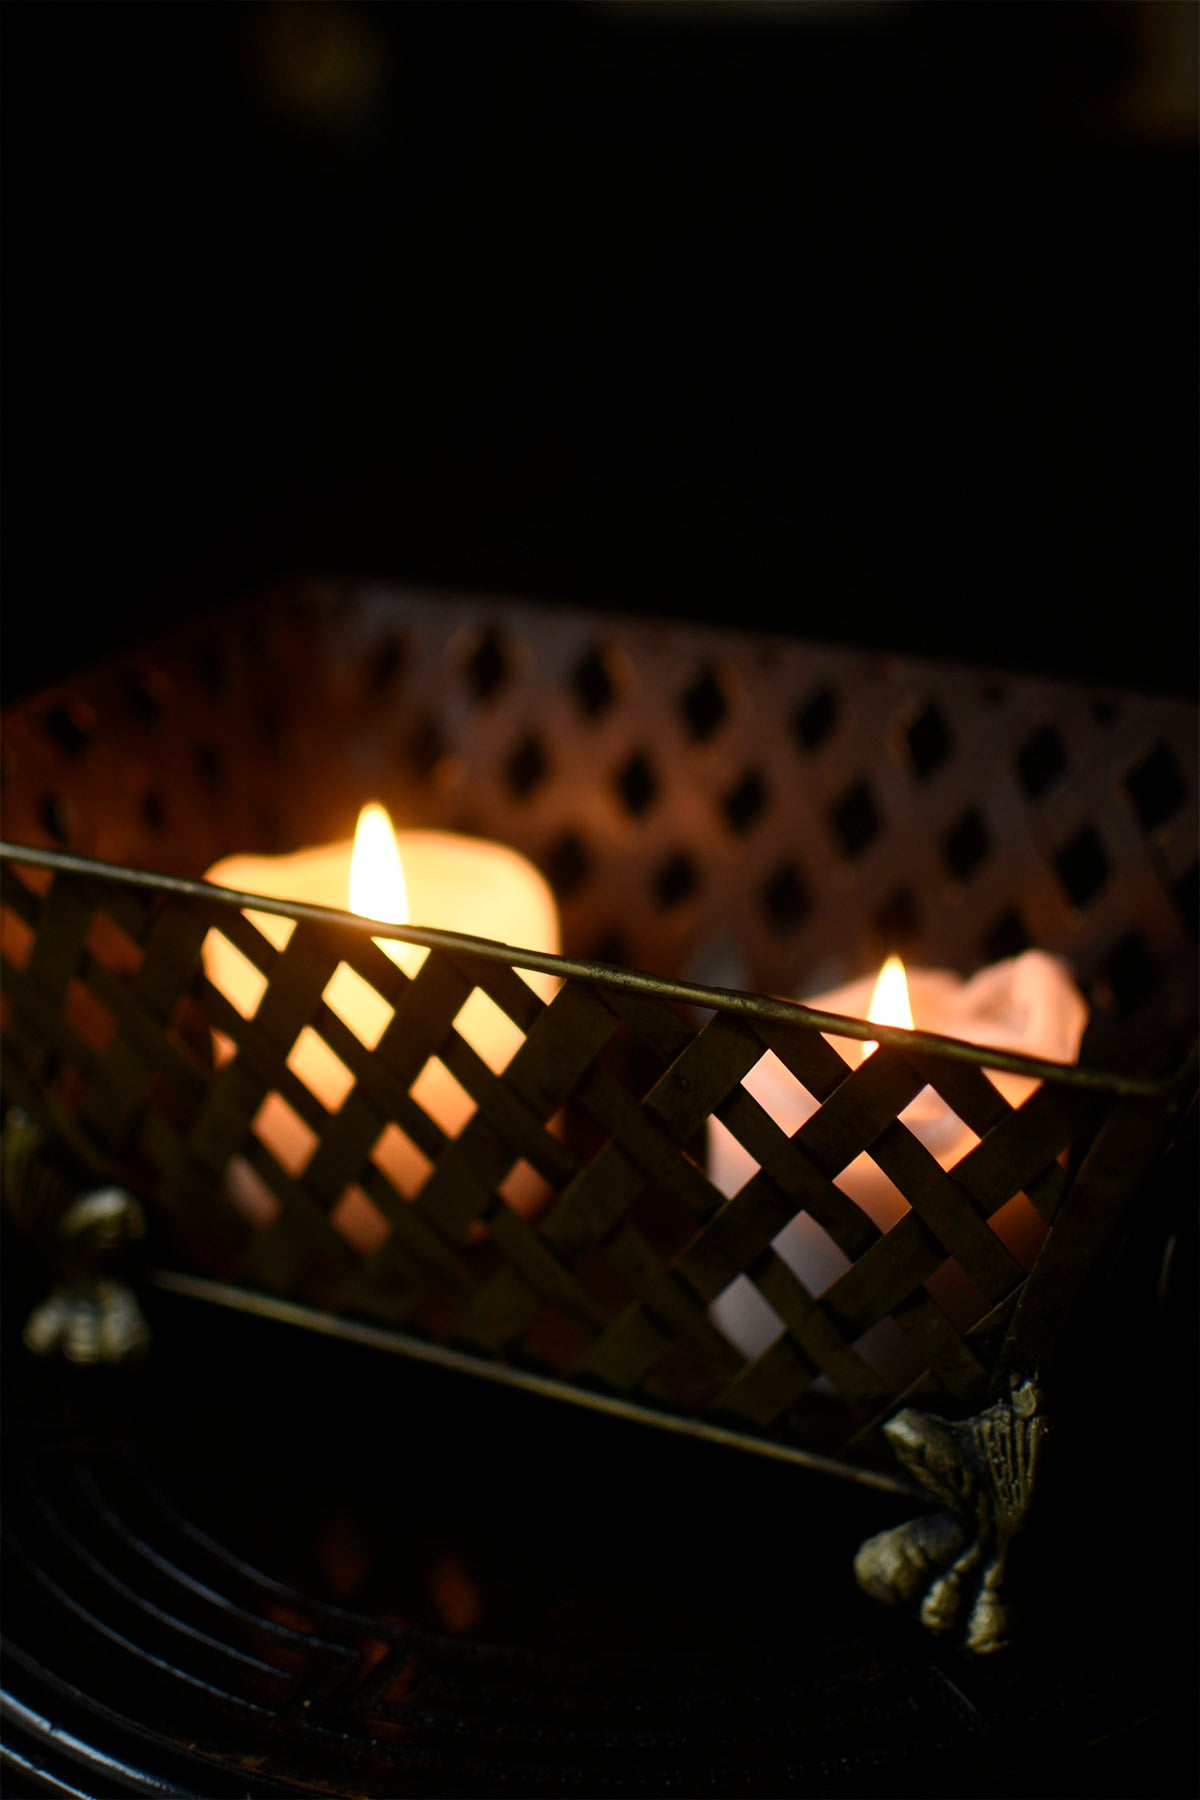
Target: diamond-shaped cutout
<point x="897" y="921"/>
<point x="939" y="1127"/>
<point x="54" y="815"/>
<point x="284" y="1133"/>
<point x="446" y="1100"/>
<point x="675" y="881"/>
<point x="188" y="1028"/>
<point x="395" y="1155"/>
<point x="786" y="901"/>
<point x="487" y="667"/>
<point x="864" y="1182"/>
<point x="1083" y="866"/>
<point x="321" y="1070"/>
<point x="929" y="742"/>
<point x="16" y="939"/>
<point x="741" y="1314"/>
<point x="70" y="729"/>
<point x="144" y="700"/>
<point x="249" y="1194"/>
<point x="527" y="767"/>
<point x="361" y="1224"/>
<point x="744" y="804"/>
<point x="232" y="974"/>
<point x="810" y="1253"/>
<point x="88" y="1017"/>
<point x="730" y="1164"/>
<point x="637" y="785"/>
<point x="154" y="809"/>
<point x="1157" y="788"/>
<point x="112" y="946"/>
<point x="610" y="948"/>
<point x="814" y="721"/>
<point x="704" y="706"/>
<point x="1021" y="1228"/>
<point x="779" y="1093"/>
<point x="358" y="1005"/>
<point x="489" y="1030"/>
<point x="855" y="820"/>
<point x="527" y="1193"/>
<point x="786" y="1100"/>
<point x="274" y="927"/>
<point x="593" y="682"/>
<point x="567" y="865"/>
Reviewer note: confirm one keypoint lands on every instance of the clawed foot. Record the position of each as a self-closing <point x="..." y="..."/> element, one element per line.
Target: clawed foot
<point x="953" y="1563"/>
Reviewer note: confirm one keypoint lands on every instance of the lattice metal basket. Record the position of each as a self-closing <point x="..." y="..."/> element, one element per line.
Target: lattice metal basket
<point x="727" y="822"/>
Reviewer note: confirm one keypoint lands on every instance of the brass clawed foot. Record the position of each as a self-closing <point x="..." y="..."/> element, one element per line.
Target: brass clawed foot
<point x="90" y="1316"/>
<point x="955" y="1562"/>
<point x="100" y="1323"/>
<point x="85" y="1234"/>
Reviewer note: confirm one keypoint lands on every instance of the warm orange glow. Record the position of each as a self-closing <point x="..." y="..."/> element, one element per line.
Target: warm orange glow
<point x="377" y="886"/>
<point x="439" y="880"/>
<point x="890" y="1004"/>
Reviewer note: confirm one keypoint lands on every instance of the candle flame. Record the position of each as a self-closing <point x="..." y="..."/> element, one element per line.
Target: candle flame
<point x="377" y="886"/>
<point x="890" y="1004"/>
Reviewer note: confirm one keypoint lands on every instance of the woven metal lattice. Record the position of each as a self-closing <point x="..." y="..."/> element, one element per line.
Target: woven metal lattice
<point x="771" y="814"/>
<point x="705" y="806"/>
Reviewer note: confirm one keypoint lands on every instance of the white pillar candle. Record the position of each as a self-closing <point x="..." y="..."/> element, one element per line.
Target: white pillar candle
<point x="435" y="878"/>
<point x="1028" y="1004"/>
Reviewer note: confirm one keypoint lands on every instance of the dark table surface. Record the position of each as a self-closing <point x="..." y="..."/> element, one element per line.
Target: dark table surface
<point x="267" y="1563"/>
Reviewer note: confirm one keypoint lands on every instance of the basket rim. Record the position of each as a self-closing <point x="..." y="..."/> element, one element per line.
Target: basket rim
<point x="770" y="1009"/>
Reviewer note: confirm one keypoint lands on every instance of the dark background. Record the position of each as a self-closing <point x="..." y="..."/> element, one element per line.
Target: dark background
<point x="874" y="320"/>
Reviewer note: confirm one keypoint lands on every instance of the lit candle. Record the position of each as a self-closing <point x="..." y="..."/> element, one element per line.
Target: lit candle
<point x="1028" y="1004"/>
<point x="435" y="878"/>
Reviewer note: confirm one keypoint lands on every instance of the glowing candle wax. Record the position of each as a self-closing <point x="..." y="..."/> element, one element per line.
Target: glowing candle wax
<point x="1027" y="1004"/>
<point x="438" y="879"/>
